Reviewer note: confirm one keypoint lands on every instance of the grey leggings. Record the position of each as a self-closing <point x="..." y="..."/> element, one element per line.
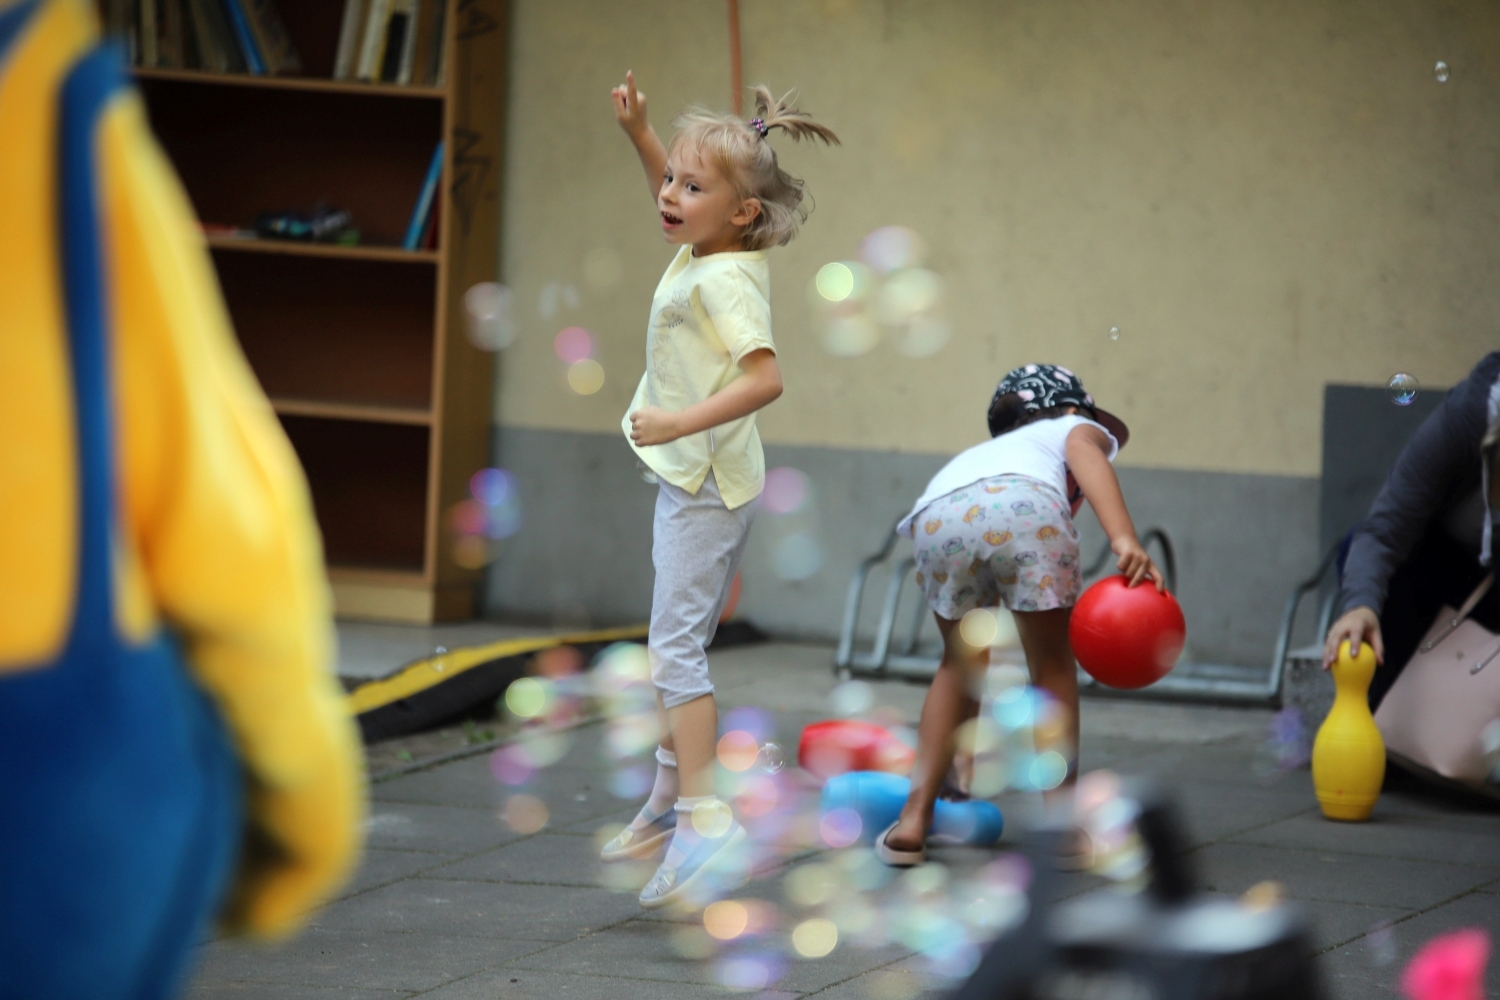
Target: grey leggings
<point x="696" y="547"/>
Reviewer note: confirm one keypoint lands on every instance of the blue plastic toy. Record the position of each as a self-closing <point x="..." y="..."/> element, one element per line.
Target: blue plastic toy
<point x="878" y="797"/>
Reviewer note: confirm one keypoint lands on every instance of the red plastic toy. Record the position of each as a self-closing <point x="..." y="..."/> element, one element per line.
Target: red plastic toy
<point x="1127" y="637"/>
<point x="837" y="746"/>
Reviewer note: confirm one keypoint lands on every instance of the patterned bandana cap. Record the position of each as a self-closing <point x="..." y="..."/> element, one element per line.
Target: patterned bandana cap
<point x="1040" y="387"/>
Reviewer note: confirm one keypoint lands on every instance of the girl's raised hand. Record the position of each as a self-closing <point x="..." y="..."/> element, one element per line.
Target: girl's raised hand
<point x="630" y="106"/>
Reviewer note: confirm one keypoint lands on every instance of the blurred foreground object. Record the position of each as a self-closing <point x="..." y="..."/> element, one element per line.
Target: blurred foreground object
<point x="1450" y="967"/>
<point x="837" y="746"/>
<point x="1164" y="942"/>
<point x="171" y="735"/>
<point x="877" y="798"/>
<point x="1127" y="637"/>
<point x="1348" y="756"/>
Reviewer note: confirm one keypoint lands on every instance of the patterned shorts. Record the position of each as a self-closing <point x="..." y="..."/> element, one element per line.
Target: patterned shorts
<point x="1008" y="539"/>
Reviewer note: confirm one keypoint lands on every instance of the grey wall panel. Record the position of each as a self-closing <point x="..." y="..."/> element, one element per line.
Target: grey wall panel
<point x="1363" y="433"/>
<point x="586" y="544"/>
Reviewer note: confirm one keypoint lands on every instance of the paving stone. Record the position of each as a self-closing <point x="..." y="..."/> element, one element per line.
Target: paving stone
<point x="1346" y="878"/>
<point x="362" y="958"/>
<point x="1215" y="810"/>
<point x="434" y="828"/>
<point x="214" y="989"/>
<point x="1359" y="972"/>
<point x="907" y="979"/>
<point x="1336" y="924"/>
<point x="529" y="984"/>
<point x="1394" y="831"/>
<point x="571" y="795"/>
<point x="641" y="949"/>
<point x="379" y="867"/>
<point x="480" y="909"/>
<point x="550" y="859"/>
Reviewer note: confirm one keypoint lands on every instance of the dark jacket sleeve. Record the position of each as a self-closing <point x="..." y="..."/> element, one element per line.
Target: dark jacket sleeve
<point x="1444" y="450"/>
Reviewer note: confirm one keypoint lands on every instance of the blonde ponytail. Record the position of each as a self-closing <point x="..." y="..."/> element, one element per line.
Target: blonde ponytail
<point x="740" y="150"/>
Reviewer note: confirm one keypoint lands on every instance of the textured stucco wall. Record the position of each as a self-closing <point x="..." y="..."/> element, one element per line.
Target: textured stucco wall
<point x="1266" y="196"/>
<point x="1263" y="196"/>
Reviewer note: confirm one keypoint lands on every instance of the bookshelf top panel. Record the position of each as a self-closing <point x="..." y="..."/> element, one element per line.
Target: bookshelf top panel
<point x="299" y="83"/>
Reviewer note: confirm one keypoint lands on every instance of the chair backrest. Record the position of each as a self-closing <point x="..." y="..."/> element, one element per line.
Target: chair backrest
<point x="1363" y="434"/>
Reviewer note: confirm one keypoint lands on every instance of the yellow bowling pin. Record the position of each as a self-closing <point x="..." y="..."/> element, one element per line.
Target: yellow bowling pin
<point x="1348" y="757"/>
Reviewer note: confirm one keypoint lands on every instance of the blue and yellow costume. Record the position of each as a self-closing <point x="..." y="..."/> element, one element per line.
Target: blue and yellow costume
<point x="173" y="744"/>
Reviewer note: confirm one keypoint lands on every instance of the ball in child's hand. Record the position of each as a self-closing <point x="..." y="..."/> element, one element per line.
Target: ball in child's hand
<point x="1127" y="637"/>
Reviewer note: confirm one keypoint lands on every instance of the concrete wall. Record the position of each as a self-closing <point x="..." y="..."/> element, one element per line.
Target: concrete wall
<point x="1263" y="196"/>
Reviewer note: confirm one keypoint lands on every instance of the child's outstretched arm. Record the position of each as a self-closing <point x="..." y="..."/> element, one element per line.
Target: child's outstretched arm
<point x="630" y="112"/>
<point x="1088" y="459"/>
<point x="758" y="387"/>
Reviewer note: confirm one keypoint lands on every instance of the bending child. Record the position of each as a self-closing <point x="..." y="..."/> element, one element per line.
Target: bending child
<point x="710" y="365"/>
<point x="996" y="525"/>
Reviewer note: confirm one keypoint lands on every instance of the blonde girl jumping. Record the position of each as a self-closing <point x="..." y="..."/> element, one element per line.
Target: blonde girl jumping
<point x="710" y="365"/>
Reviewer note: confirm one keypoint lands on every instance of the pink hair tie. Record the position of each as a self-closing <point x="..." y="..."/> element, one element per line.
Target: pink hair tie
<point x="759" y="124"/>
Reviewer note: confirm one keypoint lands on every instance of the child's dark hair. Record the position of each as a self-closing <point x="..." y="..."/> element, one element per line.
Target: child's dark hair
<point x="739" y="148"/>
<point x="1008" y="412"/>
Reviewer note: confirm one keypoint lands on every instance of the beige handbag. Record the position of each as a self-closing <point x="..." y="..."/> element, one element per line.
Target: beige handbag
<point x="1432" y="717"/>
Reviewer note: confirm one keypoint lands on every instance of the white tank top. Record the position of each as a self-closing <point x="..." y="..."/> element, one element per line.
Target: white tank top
<point x="1037" y="451"/>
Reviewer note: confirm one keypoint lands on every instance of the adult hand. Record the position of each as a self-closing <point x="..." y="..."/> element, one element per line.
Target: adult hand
<point x="1135" y="563"/>
<point x="1357" y="625"/>
<point x="653" y="425"/>
<point x="630" y="107"/>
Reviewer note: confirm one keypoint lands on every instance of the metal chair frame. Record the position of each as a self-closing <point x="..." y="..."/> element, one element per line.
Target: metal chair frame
<point x="1197" y="682"/>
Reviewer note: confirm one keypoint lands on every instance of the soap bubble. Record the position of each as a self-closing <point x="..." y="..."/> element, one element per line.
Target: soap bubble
<point x="738" y="750"/>
<point x="851" y="698"/>
<point x="1048" y="770"/>
<point x="892" y="247"/>
<point x="771" y="759"/>
<point x="786" y="490"/>
<point x="851" y="335"/>
<point x="586" y="377"/>
<point x="841" y="280"/>
<point x="524" y="813"/>
<point x="573" y="344"/>
<point x="749" y="719"/>
<point x="602" y="269"/>
<point x="489" y="312"/>
<point x="979" y="628"/>
<point x="797" y="556"/>
<point x="491" y="487"/>
<point x="712" y="819"/>
<point x="840" y="827"/>
<point x="526" y="697"/>
<point x="1403" y="388"/>
<point x="631" y="782"/>
<point x="555" y="296"/>
<point x="1440" y="72"/>
<point x="907" y="295"/>
<point x="726" y="919"/>
<point x="815" y="938"/>
<point x="1380" y="942"/>
<point x="925" y="336"/>
<point x="1114" y="333"/>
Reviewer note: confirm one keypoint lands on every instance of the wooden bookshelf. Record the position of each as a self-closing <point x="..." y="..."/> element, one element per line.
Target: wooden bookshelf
<point x="361" y="348"/>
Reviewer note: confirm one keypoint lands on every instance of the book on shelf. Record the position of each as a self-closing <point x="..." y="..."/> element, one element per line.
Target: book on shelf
<point x="372" y="48"/>
<point x="239" y="23"/>
<point x="173" y="53"/>
<point x="396" y="31"/>
<point x="349" y="35"/>
<point x="150" y="39"/>
<point x="409" y="43"/>
<point x="276" y="48"/>
<point x="425" y="200"/>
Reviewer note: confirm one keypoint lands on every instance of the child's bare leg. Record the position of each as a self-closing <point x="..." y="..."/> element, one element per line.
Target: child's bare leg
<point x="1049" y="656"/>
<point x="694" y="732"/>
<point x="948" y="704"/>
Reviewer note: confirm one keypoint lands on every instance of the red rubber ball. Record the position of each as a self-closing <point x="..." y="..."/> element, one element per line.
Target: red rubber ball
<point x="1127" y="637"/>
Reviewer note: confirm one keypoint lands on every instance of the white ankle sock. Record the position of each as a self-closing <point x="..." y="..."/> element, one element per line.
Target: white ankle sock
<point x="663" y="791"/>
<point x="687" y="836"/>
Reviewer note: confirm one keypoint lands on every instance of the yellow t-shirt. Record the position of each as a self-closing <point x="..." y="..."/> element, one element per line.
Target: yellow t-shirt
<point x="707" y="314"/>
